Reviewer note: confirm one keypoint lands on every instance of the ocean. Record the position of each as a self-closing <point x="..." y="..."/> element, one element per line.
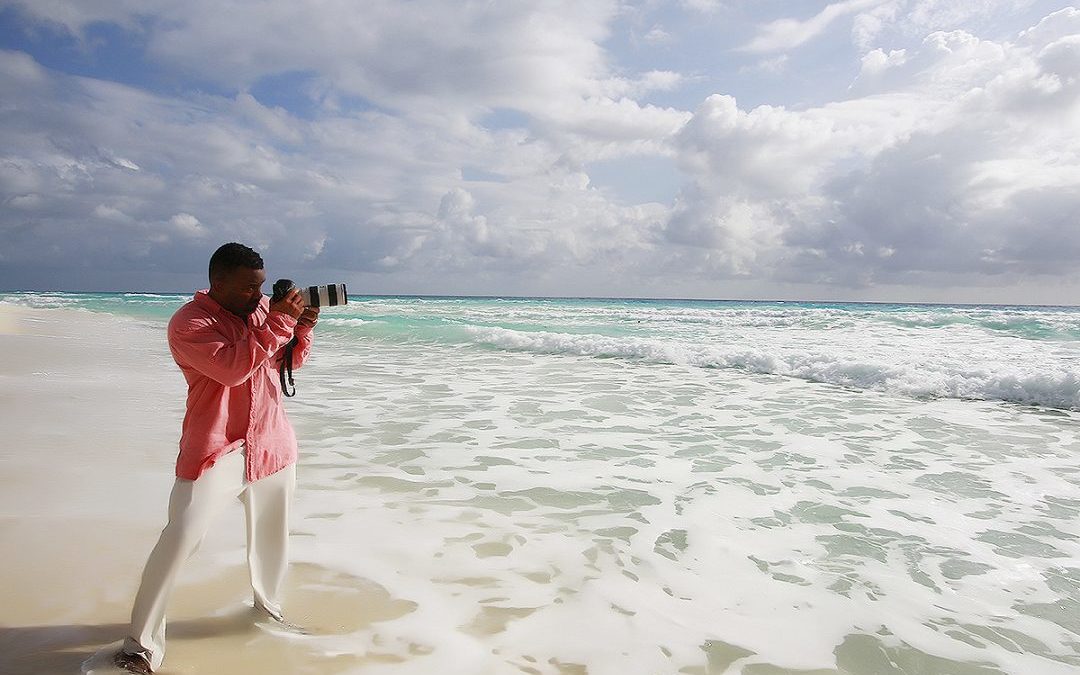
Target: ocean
<point x="611" y="486"/>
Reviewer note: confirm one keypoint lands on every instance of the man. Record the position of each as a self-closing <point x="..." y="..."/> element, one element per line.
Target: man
<point x="236" y="440"/>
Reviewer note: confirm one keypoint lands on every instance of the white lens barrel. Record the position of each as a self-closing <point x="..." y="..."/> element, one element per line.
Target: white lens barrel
<point x="324" y="296"/>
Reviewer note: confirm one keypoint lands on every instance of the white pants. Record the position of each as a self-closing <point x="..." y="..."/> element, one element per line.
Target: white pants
<point x="192" y="507"/>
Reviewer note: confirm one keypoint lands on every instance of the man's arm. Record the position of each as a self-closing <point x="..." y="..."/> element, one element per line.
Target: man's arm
<point x="201" y="346"/>
<point x="206" y="350"/>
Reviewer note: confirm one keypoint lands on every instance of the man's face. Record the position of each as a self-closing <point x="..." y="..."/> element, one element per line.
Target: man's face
<point x="239" y="291"/>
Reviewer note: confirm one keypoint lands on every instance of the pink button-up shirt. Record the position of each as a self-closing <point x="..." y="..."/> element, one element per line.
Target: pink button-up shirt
<point x="234" y="392"/>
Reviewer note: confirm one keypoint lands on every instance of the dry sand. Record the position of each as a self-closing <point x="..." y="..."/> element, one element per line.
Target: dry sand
<point x="90" y="408"/>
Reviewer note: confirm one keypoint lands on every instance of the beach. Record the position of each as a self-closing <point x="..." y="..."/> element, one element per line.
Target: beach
<point x="484" y="491"/>
<point x="91" y="411"/>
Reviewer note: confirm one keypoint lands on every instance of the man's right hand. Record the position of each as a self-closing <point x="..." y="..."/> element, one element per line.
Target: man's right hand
<point x="292" y="304"/>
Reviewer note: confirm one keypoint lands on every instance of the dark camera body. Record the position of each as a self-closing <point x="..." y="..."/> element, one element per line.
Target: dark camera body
<point x="329" y="295"/>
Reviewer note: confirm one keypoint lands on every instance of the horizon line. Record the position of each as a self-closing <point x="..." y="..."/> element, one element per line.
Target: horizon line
<point x="599" y="297"/>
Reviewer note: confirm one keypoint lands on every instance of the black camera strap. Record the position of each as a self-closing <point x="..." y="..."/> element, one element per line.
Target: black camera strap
<point x="286" y="368"/>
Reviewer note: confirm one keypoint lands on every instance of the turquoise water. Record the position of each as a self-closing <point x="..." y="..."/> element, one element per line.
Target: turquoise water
<point x="617" y="315"/>
<point x="1026" y="355"/>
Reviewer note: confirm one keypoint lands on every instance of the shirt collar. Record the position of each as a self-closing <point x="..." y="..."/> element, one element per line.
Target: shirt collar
<point x="203" y="299"/>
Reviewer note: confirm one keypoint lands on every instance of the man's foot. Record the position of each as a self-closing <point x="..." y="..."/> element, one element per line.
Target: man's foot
<point x="132" y="663"/>
<point x="281" y="624"/>
<point x="275" y="621"/>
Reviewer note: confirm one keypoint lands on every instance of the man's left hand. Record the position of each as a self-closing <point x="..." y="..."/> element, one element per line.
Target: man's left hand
<point x="309" y="317"/>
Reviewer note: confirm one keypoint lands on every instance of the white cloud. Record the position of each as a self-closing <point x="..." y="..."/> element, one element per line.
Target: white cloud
<point x="368" y="191"/>
<point x="187" y="225"/>
<point x="702" y="6"/>
<point x="651" y="81"/>
<point x="772" y="66"/>
<point x="959" y="157"/>
<point x="876" y="62"/>
<point x="901" y="20"/>
<point x="125" y="163"/>
<point x="924" y="16"/>
<point x="420" y="58"/>
<point x="657" y="35"/>
<point x="784" y="34"/>
<point x="275" y="122"/>
<point x="876" y="20"/>
<point x="21" y="70"/>
<point x="27" y="202"/>
<point x="732" y="236"/>
<point x="440" y="65"/>
<point x="1060" y="24"/>
<point x="105" y="212"/>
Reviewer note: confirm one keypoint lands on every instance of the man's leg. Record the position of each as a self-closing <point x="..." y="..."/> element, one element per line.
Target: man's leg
<point x="192" y="507"/>
<point x="266" y="506"/>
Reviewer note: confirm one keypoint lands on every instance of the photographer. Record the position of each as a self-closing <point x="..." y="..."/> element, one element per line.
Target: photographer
<point x="237" y="441"/>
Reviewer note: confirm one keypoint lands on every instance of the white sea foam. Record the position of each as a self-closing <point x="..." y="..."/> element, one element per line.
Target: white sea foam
<point x="543" y="511"/>
<point x="349" y="322"/>
<point x="999" y="377"/>
<point x="155" y="296"/>
<point x="42" y="300"/>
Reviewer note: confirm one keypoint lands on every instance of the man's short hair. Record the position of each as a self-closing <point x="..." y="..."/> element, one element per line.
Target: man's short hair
<point x="233" y="255"/>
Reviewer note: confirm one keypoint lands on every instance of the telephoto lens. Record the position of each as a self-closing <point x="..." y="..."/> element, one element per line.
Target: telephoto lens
<point x="329" y="295"/>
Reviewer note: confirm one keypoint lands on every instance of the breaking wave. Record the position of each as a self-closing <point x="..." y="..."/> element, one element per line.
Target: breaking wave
<point x="1001" y="379"/>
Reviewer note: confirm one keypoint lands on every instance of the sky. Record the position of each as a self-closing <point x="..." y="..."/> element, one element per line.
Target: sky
<point x="883" y="150"/>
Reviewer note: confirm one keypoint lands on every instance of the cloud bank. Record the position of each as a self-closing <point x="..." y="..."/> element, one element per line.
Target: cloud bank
<point x="435" y="147"/>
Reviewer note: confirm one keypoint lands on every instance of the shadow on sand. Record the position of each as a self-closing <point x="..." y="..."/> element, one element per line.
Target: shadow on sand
<point x="41" y="650"/>
<point x="330" y="605"/>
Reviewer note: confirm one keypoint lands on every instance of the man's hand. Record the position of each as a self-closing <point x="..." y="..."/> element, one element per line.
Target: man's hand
<point x="310" y="317"/>
<point x="292" y="304"/>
